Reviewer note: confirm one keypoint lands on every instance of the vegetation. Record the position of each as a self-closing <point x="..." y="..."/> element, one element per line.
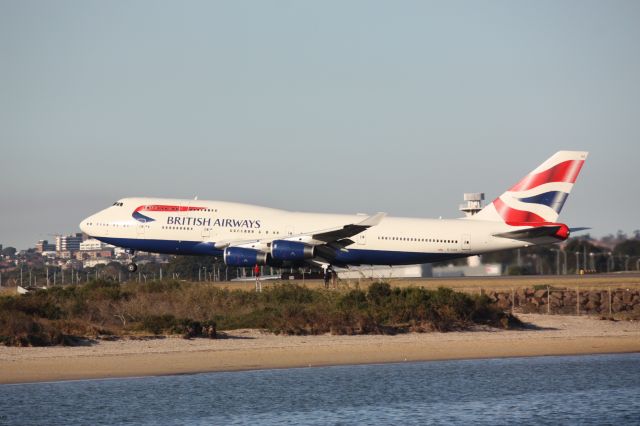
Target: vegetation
<point x="63" y="315"/>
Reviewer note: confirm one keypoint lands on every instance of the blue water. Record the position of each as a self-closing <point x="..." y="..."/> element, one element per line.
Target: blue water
<point x="589" y="390"/>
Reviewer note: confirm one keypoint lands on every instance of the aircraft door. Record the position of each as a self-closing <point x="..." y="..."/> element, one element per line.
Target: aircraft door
<point x="465" y="241"/>
<point x="362" y="239"/>
<point x="206" y="233"/>
<point x="140" y="230"/>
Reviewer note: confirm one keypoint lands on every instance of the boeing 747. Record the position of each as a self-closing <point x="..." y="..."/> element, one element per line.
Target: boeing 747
<point x="248" y="235"/>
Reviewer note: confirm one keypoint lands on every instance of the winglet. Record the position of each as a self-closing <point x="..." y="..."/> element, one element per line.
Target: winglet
<point x="372" y="220"/>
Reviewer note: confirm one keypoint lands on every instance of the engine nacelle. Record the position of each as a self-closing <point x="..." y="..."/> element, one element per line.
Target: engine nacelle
<point x="291" y="250"/>
<point x="238" y="256"/>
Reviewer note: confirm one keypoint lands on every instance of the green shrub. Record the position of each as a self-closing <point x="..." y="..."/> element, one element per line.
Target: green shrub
<point x="172" y="307"/>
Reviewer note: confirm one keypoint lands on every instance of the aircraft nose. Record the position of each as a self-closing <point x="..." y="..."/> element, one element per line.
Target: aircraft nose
<point x="84" y="226"/>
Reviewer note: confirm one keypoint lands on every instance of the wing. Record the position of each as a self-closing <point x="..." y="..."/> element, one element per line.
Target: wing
<point x="347" y="231"/>
<point x="336" y="238"/>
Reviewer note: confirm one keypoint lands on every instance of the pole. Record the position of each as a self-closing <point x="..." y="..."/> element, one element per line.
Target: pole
<point x="548" y="301"/>
<point x="577" y="262"/>
<point x="21" y="276"/>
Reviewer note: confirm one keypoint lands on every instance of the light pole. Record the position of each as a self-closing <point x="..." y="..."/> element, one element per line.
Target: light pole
<point x="577" y="262"/>
<point x="557" y="261"/>
<point x="592" y="265"/>
<point x="564" y="266"/>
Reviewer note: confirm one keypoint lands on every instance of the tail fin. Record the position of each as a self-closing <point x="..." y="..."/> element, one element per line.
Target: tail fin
<point x="540" y="195"/>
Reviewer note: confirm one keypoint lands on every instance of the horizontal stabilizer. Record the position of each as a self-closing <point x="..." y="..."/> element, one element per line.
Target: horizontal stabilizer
<point x="583" y="228"/>
<point x="556" y="230"/>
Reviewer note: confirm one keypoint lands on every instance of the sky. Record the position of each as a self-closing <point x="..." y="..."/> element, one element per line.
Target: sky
<point x="327" y="106"/>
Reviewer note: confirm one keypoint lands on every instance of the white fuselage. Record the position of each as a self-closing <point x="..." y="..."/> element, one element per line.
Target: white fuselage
<point x="203" y="227"/>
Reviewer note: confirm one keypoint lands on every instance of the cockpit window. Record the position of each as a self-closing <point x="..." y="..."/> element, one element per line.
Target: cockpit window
<point x="118" y="203"/>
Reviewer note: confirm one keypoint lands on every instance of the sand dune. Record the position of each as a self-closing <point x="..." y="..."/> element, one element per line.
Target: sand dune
<point x="252" y="349"/>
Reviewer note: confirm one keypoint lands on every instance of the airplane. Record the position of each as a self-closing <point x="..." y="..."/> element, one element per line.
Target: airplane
<point x="248" y="235"/>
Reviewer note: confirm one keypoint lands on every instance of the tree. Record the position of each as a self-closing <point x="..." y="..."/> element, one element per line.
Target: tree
<point x="628" y="247"/>
<point x="9" y="251"/>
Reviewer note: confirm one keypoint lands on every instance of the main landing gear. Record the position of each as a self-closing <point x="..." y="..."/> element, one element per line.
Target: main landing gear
<point x="131" y="267"/>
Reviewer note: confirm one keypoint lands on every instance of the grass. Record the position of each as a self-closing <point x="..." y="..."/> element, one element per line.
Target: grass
<point x="62" y="315"/>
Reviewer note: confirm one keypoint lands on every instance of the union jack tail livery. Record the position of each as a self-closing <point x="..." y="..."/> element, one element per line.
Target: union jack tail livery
<point x="538" y="198"/>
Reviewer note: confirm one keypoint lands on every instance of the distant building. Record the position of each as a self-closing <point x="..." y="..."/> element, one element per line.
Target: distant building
<point x="94" y="254"/>
<point x="44" y="246"/>
<point x="382" y="272"/>
<point x="93" y="244"/>
<point x="90" y="263"/>
<point x="480" y="270"/>
<point x="68" y="242"/>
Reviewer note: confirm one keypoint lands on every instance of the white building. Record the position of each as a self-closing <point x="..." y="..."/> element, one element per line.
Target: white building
<point x="68" y="242"/>
<point x="384" y="272"/>
<point x="90" y="263"/>
<point x="93" y="244"/>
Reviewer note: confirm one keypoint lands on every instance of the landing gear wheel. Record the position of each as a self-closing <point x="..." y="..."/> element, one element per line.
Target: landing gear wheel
<point x="132" y="267"/>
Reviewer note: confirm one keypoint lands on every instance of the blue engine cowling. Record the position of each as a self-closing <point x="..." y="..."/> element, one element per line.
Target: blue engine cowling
<point x="291" y="250"/>
<point x="238" y="256"/>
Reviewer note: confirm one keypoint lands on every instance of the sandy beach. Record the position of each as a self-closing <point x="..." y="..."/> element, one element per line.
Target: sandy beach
<point x="253" y="349"/>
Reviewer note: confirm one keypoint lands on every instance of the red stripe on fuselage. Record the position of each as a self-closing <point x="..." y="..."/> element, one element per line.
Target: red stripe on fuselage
<point x="566" y="171"/>
<point x="167" y="208"/>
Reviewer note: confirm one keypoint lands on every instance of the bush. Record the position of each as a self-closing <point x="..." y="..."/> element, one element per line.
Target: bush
<point x="172" y="307"/>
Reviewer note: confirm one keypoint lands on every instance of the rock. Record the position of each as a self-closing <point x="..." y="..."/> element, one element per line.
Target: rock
<point x="593" y="296"/>
<point x="617" y="307"/>
<point x="540" y="293"/>
<point x="591" y="306"/>
<point x="530" y="308"/>
<point x="557" y="295"/>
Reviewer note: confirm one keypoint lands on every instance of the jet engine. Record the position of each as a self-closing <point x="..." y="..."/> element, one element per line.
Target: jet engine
<point x="238" y="256"/>
<point x="291" y="250"/>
